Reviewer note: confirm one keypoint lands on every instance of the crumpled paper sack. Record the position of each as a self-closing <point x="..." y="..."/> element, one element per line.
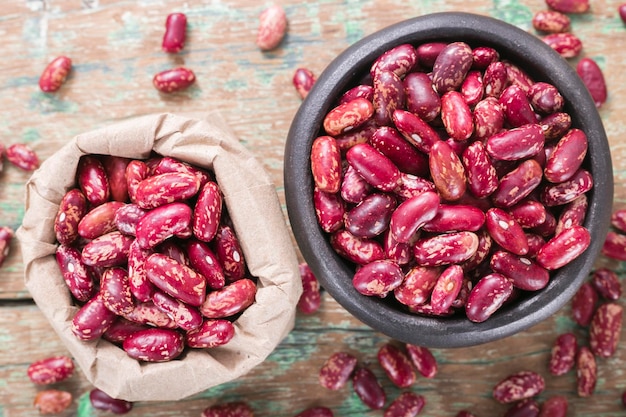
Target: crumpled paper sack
<point x="260" y="225"/>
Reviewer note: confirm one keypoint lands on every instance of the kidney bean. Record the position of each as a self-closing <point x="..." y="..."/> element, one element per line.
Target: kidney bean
<point x="100" y="400"/>
<point x="495" y="79"/>
<point x="173" y="80"/>
<point x="397" y="365"/>
<point x="272" y="27"/>
<point x="354" y="189"/>
<point x="72" y="208"/>
<point x="93" y="180"/>
<point x="162" y="223"/>
<point x="120" y="329"/>
<point x="368" y="388"/>
<point x="563" y="354"/>
<point x="481" y="175"/>
<point x="99" y="221"/>
<point x="517" y="184"/>
<point x="228" y="250"/>
<point x="126" y="218"/>
<point x="591" y="74"/>
<point x="204" y="260"/>
<point x="410" y="186"/>
<point x="337" y="370"/>
<point x="348" y="116"/>
<point x="50" y="370"/>
<point x="136" y="171"/>
<point x="92" y="319"/>
<point x="519" y="77"/>
<point x="360" y="91"/>
<point x="506" y="232"/>
<point x="421" y="98"/>
<point x="447" y="171"/>
<point x="326" y="164"/>
<point x="175" y="31"/>
<point x="456" y="116"/>
<point x="52" y="401"/>
<point x="455" y="218"/>
<point x="316" y="412"/>
<point x="417" y="131"/>
<point x="330" y="210"/>
<point x="525" y="274"/>
<point x="428" y="52"/>
<point x="614" y="246"/>
<point x="547" y="228"/>
<point x="482" y="252"/>
<point x="472" y="88"/>
<point x="412" y="214"/>
<point x="230" y="409"/>
<point x="566" y="44"/>
<point x="517" y="143"/>
<point x="423" y="360"/>
<point x="141" y="288"/>
<point x="115" y="168"/>
<point x="584" y="304"/>
<point x="567" y="157"/>
<point x="618" y="219"/>
<point x="394" y="146"/>
<point x="54" y="74"/>
<point x="357" y="250"/>
<point x="388" y="96"/>
<point x="518" y="386"/>
<point x="154" y="345"/>
<point x="400" y="253"/>
<point x="115" y="290"/>
<point x="607" y="284"/>
<point x="207" y="212"/>
<point x="159" y="190"/>
<point x="399" y="60"/>
<point x="407" y="404"/>
<point x="569" y="6"/>
<point x="183" y="315"/>
<point x="555" y="406"/>
<point x="230" y="300"/>
<point x="573" y="213"/>
<point x="176" y="279"/>
<point x="22" y="156"/>
<point x="378" y="278"/>
<point x="108" y="250"/>
<point x="451" y="66"/>
<point x="545" y="98"/>
<point x="371" y="216"/>
<point x="551" y="21"/>
<point x="446" y="289"/>
<point x="210" y="333"/>
<point x="529" y="213"/>
<point x="378" y="170"/>
<point x="487" y="296"/>
<point x="517" y="107"/>
<point x="147" y="313"/>
<point x="445" y="249"/>
<point x="78" y="278"/>
<point x="564" y="248"/>
<point x="417" y="285"/>
<point x="586" y="372"/>
<point x="303" y="80"/>
<point x="605" y="330"/>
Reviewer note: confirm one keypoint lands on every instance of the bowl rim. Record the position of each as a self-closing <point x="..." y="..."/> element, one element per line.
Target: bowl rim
<point x="335" y="276"/>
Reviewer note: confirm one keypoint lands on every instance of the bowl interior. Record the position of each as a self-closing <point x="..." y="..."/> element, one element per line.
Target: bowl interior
<point x="335" y="274"/>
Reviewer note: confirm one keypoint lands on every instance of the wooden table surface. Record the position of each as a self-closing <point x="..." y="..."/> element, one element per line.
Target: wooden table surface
<point x="115" y="47"/>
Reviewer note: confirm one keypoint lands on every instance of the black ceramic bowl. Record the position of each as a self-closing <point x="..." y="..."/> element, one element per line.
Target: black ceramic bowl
<point x="335" y="274"/>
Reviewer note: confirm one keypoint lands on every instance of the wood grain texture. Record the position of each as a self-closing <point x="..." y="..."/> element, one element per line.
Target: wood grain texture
<point x="115" y="46"/>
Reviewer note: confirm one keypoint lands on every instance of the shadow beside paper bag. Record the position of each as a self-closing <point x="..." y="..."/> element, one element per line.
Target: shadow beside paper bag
<point x="256" y="214"/>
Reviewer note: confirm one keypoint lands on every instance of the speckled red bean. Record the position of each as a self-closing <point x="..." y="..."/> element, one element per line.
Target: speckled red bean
<point x="528" y="213"/>
<point x="173" y="80"/>
<point x="545" y="98"/>
<point x="330" y="210"/>
<point x="50" y="370"/>
<point x="121" y="329"/>
<point x="517" y="108"/>
<point x="555" y="406"/>
<point x="445" y="249"/>
<point x="607" y="284"/>
<point x="551" y="21"/>
<point x="337" y="370"/>
<point x="417" y="131"/>
<point x="54" y="74"/>
<point x="564" y="248"/>
<point x="310" y="299"/>
<point x="348" y="116"/>
<point x="371" y="216"/>
<point x="428" y="52"/>
<point x="517" y="76"/>
<point x="127" y="217"/>
<point x="573" y="213"/>
<point x="586" y="372"/>
<point x="162" y="223"/>
<point x="326" y="164"/>
<point x="566" y="44"/>
<point x="93" y="180"/>
<point x="72" y="208"/>
<point x="100" y="400"/>
<point x="618" y="219"/>
<point x="446" y="289"/>
<point x="615" y="246"/>
<point x="411" y="185"/>
<point x="52" y="401"/>
<point x="303" y="80"/>
<point x="147" y="313"/>
<point x="421" y="98"/>
<point x="412" y="214"/>
<point x="481" y="175"/>
<point x="407" y="404"/>
<point x="417" y="285"/>
<point x="136" y="171"/>
<point x="99" y="221"/>
<point x="230" y="409"/>
<point x="360" y="91"/>
<point x="517" y="184"/>
<point x="506" y="232"/>
<point x="207" y="212"/>
<point x="204" y="260"/>
<point x="394" y="146"/>
<point x="107" y="250"/>
<point x="456" y="116"/>
<point x="397" y="365"/>
<point x="525" y="408"/>
<point x="230" y="300"/>
<point x="368" y="388"/>
<point x="388" y="96"/>
<point x="451" y="66"/>
<point x="423" y="360"/>
<point x="154" y="345"/>
<point x="378" y="278"/>
<point x="22" y="156"/>
<point x="161" y="189"/>
<point x="605" y="329"/>
<point x="176" y="279"/>
<point x="399" y="59"/>
<point x="228" y="250"/>
<point x="563" y="354"/>
<point x="567" y="157"/>
<point x="584" y="304"/>
<point x="354" y="249"/>
<point x="518" y="386"/>
<point x="272" y="27"/>
<point x="455" y="218"/>
<point x="525" y="274"/>
<point x="555" y="125"/>
<point x="483" y="56"/>
<point x="517" y="143"/>
<point x="115" y="290"/>
<point x="210" y="334"/>
<point x="78" y="278"/>
<point x="378" y="170"/>
<point x="593" y="78"/>
<point x="569" y="6"/>
<point x="487" y="296"/>
<point x="175" y="32"/>
<point x="472" y="88"/>
<point x="186" y="317"/>
<point x="447" y="171"/>
<point x="92" y="319"/>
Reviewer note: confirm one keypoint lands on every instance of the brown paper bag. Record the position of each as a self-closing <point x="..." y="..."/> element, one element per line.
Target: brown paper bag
<point x="260" y="226"/>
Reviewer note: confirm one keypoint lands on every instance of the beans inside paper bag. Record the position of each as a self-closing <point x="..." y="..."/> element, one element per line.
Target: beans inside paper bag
<point x="170" y="356"/>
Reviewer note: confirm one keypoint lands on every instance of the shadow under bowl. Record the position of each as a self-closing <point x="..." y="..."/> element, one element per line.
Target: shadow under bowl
<point x="335" y="274"/>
